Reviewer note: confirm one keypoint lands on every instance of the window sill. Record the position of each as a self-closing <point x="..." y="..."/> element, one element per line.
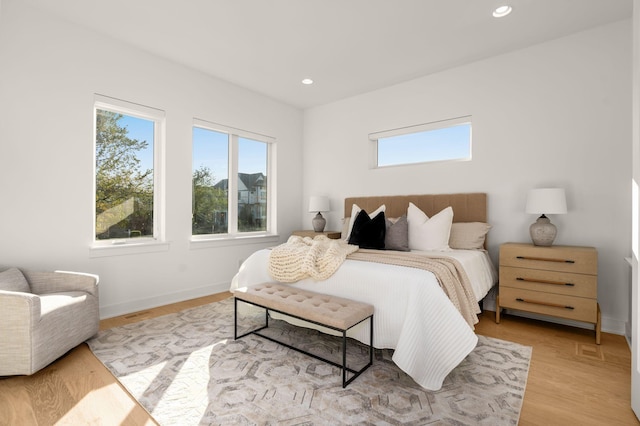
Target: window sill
<point x="128" y="248"/>
<point x="212" y="242"/>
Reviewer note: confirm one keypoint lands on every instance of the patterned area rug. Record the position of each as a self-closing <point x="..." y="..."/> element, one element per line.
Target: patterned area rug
<point x="186" y="369"/>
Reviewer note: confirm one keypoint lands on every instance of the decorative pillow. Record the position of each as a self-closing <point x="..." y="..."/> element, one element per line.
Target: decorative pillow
<point x="346" y="221"/>
<point x="397" y="234"/>
<point x="429" y="233"/>
<point x="468" y="235"/>
<point x="367" y="232"/>
<point x="13" y="280"/>
<point x="354" y="212"/>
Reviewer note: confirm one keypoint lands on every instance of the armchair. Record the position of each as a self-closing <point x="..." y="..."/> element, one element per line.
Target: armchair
<point x="43" y="316"/>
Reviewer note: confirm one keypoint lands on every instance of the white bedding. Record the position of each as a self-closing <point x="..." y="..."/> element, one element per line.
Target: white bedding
<point x="412" y="313"/>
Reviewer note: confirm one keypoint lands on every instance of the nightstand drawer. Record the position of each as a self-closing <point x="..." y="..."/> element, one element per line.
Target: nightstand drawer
<point x="575" y="308"/>
<point x="582" y="260"/>
<point x="549" y="281"/>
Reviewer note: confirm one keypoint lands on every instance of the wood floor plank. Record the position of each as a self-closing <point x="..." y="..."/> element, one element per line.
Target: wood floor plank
<point x="46" y="388"/>
<point x="90" y="383"/>
<point x="571" y="381"/>
<point x="16" y="407"/>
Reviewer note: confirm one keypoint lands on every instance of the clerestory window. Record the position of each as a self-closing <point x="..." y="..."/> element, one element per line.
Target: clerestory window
<point x="446" y="140"/>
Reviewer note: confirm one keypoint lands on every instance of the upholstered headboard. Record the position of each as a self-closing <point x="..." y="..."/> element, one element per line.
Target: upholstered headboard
<point x="468" y="207"/>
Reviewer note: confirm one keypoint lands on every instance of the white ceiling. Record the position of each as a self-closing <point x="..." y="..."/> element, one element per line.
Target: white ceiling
<point x="347" y="46"/>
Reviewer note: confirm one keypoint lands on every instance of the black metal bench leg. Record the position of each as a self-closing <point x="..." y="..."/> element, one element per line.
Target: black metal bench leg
<point x="371" y="340"/>
<point x="344" y="359"/>
<point x="235" y="319"/>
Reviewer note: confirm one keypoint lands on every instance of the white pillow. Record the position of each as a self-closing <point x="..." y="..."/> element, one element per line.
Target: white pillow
<point x="354" y="212"/>
<point x="429" y="233"/>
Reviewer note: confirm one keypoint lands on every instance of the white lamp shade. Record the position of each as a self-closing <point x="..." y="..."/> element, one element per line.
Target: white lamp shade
<point x="318" y="204"/>
<point x="546" y="201"/>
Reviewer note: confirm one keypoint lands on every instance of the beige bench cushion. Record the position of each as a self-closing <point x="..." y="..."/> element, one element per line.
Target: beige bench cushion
<point x="333" y="311"/>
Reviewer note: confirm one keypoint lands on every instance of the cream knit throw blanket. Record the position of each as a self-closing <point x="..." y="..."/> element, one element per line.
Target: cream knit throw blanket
<point x="448" y="271"/>
<point x="301" y="258"/>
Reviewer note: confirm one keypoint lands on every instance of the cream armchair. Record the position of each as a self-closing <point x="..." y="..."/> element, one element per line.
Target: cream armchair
<point x="42" y="316"/>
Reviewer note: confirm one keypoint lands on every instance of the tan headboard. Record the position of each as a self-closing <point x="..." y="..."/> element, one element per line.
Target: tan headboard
<point x="470" y="207"/>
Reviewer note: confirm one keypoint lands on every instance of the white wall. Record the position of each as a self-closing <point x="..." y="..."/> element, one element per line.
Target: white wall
<point x="556" y="114"/>
<point x="633" y="332"/>
<point x="634" y="296"/>
<point x="49" y="73"/>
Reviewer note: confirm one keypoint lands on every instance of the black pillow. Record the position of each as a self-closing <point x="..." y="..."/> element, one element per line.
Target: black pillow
<point x="368" y="233"/>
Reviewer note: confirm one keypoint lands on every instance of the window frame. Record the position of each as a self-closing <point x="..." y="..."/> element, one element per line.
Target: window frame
<point x="157" y="241"/>
<point x="419" y="128"/>
<point x="233" y="236"/>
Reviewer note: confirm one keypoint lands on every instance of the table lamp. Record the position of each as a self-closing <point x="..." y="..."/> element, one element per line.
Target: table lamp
<point x="318" y="204"/>
<point x="545" y="201"/>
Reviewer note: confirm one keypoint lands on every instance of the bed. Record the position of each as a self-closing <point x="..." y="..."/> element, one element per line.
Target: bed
<point x="413" y="315"/>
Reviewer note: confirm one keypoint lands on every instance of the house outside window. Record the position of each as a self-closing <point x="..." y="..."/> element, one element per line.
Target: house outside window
<point x="231" y="189"/>
<point x="128" y="144"/>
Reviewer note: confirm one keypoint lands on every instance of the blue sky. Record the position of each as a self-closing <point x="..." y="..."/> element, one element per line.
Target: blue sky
<point x="432" y="145"/>
<point x="141" y="130"/>
<point x="210" y="149"/>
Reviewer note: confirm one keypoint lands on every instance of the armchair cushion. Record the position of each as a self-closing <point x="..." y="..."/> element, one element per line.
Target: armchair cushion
<point x="13" y="280"/>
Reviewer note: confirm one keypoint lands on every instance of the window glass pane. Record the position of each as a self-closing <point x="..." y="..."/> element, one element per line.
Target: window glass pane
<point x="449" y="143"/>
<point x="210" y="182"/>
<point x="252" y="185"/>
<point x="124" y="176"/>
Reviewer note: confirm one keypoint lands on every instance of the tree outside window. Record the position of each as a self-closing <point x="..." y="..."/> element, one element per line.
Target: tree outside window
<point x="124" y="203"/>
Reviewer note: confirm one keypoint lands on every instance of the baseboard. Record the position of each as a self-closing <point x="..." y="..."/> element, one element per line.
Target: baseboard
<point x="165" y="299"/>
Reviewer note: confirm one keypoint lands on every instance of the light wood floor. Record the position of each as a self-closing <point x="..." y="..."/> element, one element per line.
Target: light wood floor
<point x="572" y="381"/>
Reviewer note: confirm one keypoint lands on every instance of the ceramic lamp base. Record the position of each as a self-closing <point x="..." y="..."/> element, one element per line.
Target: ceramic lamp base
<point x="318" y="223"/>
<point x="543" y="232"/>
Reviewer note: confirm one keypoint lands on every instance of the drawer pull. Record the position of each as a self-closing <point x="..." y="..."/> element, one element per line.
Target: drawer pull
<point x="545" y="282"/>
<point x="546" y="259"/>
<point x="554" y="305"/>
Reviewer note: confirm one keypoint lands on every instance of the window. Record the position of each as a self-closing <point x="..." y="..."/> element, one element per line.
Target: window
<point x="439" y="141"/>
<point x="231" y="187"/>
<point x="252" y="185"/>
<point x="210" y="201"/>
<point x="128" y="144"/>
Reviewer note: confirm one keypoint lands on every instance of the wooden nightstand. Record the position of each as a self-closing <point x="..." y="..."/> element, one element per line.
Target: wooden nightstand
<point x="559" y="281"/>
<point x="334" y="235"/>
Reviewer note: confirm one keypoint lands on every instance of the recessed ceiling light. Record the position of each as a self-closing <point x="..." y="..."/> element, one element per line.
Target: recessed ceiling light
<point x="502" y="11"/>
<point x="307" y="81"/>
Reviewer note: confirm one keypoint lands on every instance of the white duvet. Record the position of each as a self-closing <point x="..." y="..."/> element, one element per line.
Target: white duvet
<point x="412" y="313"/>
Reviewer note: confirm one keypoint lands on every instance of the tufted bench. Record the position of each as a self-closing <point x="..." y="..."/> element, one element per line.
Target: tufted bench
<point x="332" y="312"/>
